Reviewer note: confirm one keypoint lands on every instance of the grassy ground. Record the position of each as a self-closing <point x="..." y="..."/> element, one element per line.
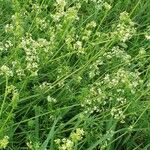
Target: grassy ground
<point x="75" y="74"/>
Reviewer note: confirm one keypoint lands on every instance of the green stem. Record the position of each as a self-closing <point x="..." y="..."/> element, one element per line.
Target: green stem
<point x="3" y="103"/>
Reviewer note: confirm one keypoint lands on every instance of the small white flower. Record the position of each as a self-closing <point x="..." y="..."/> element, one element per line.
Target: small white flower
<point x="4" y="70"/>
<point x="4" y="142"/>
<point x="107" y="6"/>
<point x="147" y="37"/>
<point x="142" y="51"/>
<point x="51" y="99"/>
<point x="9" y="28"/>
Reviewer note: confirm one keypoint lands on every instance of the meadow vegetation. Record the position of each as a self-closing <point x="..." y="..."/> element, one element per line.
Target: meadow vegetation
<point x="75" y="74"/>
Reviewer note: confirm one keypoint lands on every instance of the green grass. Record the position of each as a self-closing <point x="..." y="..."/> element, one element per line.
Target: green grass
<point x="75" y="74"/>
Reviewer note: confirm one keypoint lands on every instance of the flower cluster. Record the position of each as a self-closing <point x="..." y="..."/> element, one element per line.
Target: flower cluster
<point x="94" y="67"/>
<point x="20" y="73"/>
<point x="118" y="114"/>
<point x="87" y="31"/>
<point x="64" y="144"/>
<point x="44" y="85"/>
<point x="18" y="69"/>
<point x="142" y="51"/>
<point x="114" y="90"/>
<point x="60" y="5"/>
<point x="32" y="145"/>
<point x="51" y="99"/>
<point x="4" y="70"/>
<point x="147" y="35"/>
<point x="4" y="142"/>
<point x="41" y="23"/>
<point x="68" y="144"/>
<point x="43" y="44"/>
<point x="125" y="29"/>
<point x="17" y="24"/>
<point x="117" y="53"/>
<point x="71" y="14"/>
<point x="107" y="6"/>
<point x="78" y="135"/>
<point x="108" y="135"/>
<point x="112" y="57"/>
<point x="30" y="47"/>
<point x="98" y="3"/>
<point x="6" y="46"/>
<point x="78" y="46"/>
<point x="11" y="89"/>
<point x="9" y="28"/>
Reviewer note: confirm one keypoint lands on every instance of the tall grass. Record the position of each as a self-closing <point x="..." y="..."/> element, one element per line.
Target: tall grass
<point x="75" y="74"/>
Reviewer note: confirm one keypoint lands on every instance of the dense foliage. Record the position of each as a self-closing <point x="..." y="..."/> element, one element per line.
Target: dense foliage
<point x="75" y="74"/>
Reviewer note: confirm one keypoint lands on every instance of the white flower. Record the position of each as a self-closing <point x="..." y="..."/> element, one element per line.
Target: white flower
<point x="30" y="47"/>
<point x="4" y="70"/>
<point x="125" y="29"/>
<point x="51" y="99"/>
<point x="61" y="2"/>
<point x="147" y="37"/>
<point x="142" y="51"/>
<point x="77" y="135"/>
<point x="92" y="24"/>
<point x="78" y="46"/>
<point x="107" y="6"/>
<point x="9" y="28"/>
<point x="4" y="142"/>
